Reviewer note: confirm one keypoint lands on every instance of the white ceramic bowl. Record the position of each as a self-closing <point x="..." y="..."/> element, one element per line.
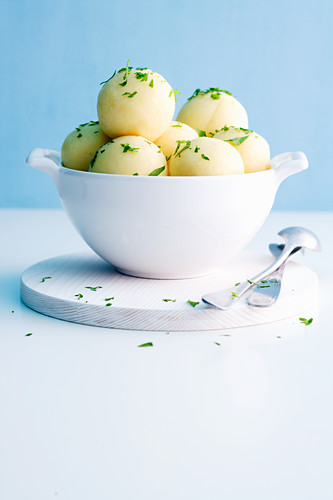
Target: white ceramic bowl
<point x="167" y="227"/>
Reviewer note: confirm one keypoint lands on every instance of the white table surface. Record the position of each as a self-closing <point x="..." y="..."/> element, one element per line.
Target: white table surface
<point x="87" y="415"/>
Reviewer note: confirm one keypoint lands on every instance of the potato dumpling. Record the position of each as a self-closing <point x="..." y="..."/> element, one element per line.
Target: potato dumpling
<point x="253" y="148"/>
<point x="80" y="145"/>
<point x="136" y="102"/>
<point x="176" y="131"/>
<point x="205" y="156"/>
<point x="212" y="109"/>
<point x="129" y="155"/>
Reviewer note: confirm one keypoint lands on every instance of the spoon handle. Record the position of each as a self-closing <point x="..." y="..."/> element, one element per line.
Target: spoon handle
<point x="265" y="294"/>
<point x="227" y="298"/>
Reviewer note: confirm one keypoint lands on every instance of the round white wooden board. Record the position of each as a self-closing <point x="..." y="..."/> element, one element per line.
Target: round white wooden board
<point x="138" y="303"/>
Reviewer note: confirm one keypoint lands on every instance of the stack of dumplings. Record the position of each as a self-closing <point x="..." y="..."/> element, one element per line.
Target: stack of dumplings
<point x="136" y="135"/>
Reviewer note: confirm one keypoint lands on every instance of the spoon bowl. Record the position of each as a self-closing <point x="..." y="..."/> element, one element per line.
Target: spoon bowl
<point x="296" y="236"/>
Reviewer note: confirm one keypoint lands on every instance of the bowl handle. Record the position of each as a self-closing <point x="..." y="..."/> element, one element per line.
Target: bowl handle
<point x="287" y="164"/>
<point x="46" y="160"/>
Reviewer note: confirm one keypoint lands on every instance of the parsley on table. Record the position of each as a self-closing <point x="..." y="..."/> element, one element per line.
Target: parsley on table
<point x="147" y="344"/>
<point x="169" y="300"/>
<point x="306" y="321"/>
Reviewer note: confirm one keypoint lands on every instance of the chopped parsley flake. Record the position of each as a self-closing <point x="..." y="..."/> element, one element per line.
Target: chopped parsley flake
<point x="79" y="296"/>
<point x="197" y="149"/>
<point x="204" y="157"/>
<point x="151" y="83"/>
<point x="93" y="288"/>
<point x="306" y="321"/>
<point x="148" y="142"/>
<point x="127" y="71"/>
<point x="234" y="295"/>
<point x="252" y="282"/>
<point x="178" y="151"/>
<point x="109" y="304"/>
<point x="127" y="148"/>
<point x="79" y="135"/>
<point x="135" y="173"/>
<point x="178" y="125"/>
<point x="110" y="298"/>
<point x="143" y="77"/>
<point x="157" y="171"/>
<point x="215" y="93"/>
<point x="193" y="304"/>
<point x="130" y="95"/>
<point x="93" y="160"/>
<point x="147" y="344"/>
<point x="217" y="343"/>
<point x="174" y="92"/>
<point x="28" y="334"/>
<point x="90" y="124"/>
<point x="169" y="300"/>
<point x="106" y="81"/>
<point x="237" y="140"/>
<point x="45" y="278"/>
<point x="236" y="284"/>
<point x="201" y="133"/>
<point x="168" y="157"/>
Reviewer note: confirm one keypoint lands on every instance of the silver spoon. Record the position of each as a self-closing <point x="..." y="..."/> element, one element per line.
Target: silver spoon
<point x="265" y="294"/>
<point x="294" y="237"/>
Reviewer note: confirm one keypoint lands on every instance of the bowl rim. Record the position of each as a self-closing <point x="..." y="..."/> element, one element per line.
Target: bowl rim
<point x="72" y="171"/>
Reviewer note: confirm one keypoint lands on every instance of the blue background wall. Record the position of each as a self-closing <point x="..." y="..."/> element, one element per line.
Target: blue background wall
<point x="275" y="57"/>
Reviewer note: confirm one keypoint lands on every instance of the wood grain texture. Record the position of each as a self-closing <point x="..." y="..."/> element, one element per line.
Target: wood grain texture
<point x="138" y="303"/>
